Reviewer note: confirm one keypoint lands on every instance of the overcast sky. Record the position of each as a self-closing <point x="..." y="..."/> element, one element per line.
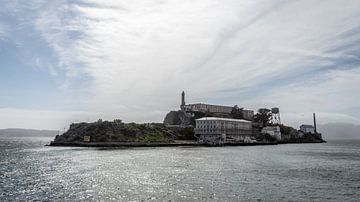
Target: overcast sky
<point x="66" y="61"/>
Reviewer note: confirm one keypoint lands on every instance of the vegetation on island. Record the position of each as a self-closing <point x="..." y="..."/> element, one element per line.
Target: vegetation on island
<point x="288" y="134"/>
<point x="237" y="113"/>
<point x="118" y="131"/>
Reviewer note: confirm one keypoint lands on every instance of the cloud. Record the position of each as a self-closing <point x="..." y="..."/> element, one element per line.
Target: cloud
<point x="339" y="131"/>
<point x="332" y="94"/>
<point x="138" y="56"/>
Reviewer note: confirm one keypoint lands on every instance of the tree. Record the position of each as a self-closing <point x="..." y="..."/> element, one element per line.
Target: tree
<point x="117" y="121"/>
<point x="237" y="113"/>
<point x="263" y="117"/>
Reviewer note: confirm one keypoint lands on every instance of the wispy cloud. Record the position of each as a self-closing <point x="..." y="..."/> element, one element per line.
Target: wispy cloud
<point x="332" y="94"/>
<point x="137" y="56"/>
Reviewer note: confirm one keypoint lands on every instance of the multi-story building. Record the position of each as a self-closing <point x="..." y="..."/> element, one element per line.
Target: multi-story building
<point x="215" y="109"/>
<point x="208" y="108"/>
<point x="218" y="131"/>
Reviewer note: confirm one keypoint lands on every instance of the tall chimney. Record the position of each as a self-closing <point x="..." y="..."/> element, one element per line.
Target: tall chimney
<point x="314" y="123"/>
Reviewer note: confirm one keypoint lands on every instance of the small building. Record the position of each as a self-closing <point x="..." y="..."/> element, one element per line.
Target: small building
<point x="273" y="131"/>
<point x="307" y="129"/>
<point x="87" y="138"/>
<point x="218" y="131"/>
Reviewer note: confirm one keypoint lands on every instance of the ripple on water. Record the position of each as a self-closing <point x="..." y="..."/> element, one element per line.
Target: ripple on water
<point x="306" y="172"/>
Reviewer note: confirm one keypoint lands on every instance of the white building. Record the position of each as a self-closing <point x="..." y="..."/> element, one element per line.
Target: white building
<point x="307" y="129"/>
<point x="217" y="131"/>
<point x="273" y="131"/>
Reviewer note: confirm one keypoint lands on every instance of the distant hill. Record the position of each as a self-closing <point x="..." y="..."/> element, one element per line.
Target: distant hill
<point x="18" y="132"/>
<point x="339" y="131"/>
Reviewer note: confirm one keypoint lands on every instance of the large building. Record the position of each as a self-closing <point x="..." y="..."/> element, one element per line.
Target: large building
<point x="218" y="131"/>
<point x="208" y="108"/>
<point x="216" y="109"/>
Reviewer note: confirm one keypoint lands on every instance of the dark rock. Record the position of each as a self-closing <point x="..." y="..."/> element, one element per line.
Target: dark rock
<point x="178" y="118"/>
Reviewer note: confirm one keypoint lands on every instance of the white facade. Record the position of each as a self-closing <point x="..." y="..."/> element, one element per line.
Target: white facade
<point x="307" y="129"/>
<point x="214" y="130"/>
<point x="273" y="131"/>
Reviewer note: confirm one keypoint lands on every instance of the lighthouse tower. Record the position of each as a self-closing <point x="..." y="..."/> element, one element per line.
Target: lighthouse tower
<point x="182" y="106"/>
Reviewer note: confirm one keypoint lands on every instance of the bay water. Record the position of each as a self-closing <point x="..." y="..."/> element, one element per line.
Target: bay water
<point x="292" y="172"/>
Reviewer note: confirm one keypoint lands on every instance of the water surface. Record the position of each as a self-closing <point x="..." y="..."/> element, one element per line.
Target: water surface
<point x="293" y="172"/>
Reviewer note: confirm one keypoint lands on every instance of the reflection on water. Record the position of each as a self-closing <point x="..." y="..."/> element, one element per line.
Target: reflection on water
<point x="296" y="172"/>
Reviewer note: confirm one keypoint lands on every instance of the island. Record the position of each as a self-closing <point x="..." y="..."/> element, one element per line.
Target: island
<point x="119" y="134"/>
<point x="193" y="125"/>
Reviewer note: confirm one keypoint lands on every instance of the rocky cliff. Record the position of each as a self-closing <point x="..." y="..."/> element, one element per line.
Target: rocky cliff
<point x="178" y="118"/>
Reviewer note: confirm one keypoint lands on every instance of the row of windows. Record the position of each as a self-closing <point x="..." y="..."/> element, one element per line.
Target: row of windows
<point x="206" y="122"/>
<point x="206" y="126"/>
<point x="214" y="123"/>
<point x="230" y="131"/>
<point x="207" y="130"/>
<point x="227" y="125"/>
<point x="213" y="126"/>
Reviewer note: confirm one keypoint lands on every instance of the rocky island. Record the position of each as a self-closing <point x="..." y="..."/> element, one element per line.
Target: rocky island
<point x="118" y="133"/>
<point x="192" y="125"/>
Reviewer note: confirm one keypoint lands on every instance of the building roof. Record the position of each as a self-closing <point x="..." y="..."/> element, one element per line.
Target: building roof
<point x="307" y="126"/>
<point x="222" y="119"/>
<point x="209" y="105"/>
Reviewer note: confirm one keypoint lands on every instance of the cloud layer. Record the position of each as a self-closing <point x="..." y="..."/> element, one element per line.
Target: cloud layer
<point x="132" y="60"/>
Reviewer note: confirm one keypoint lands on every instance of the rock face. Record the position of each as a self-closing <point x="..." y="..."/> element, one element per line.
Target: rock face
<point x="178" y="118"/>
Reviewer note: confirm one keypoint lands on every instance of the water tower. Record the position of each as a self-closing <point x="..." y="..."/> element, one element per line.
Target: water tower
<point x="275" y="115"/>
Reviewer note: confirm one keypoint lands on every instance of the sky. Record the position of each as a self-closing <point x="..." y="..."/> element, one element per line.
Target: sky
<point x="75" y="60"/>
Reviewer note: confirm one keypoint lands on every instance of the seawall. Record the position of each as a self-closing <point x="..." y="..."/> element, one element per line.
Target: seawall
<point x="148" y="144"/>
